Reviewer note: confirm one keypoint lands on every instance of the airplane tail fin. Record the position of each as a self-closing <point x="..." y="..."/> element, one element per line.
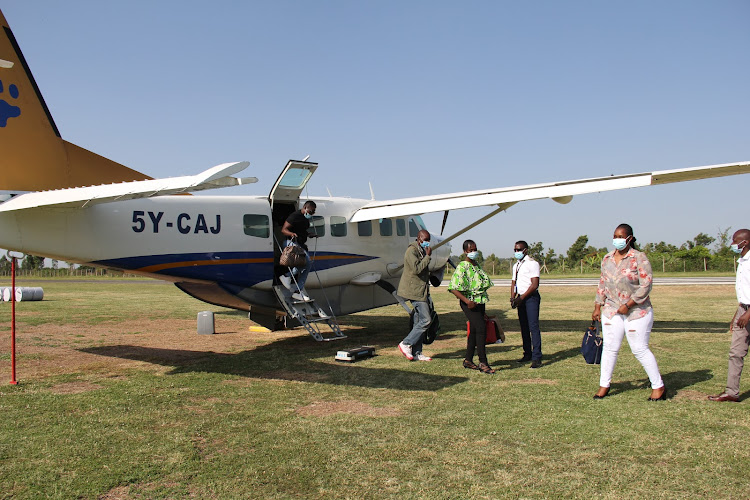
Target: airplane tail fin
<point x="34" y="156"/>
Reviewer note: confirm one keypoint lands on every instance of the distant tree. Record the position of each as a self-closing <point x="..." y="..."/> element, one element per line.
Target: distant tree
<point x="492" y="264"/>
<point x="577" y="250"/>
<point x="32" y="262"/>
<point x="722" y="242"/>
<point x="550" y="257"/>
<point x="698" y="252"/>
<point x="5" y="264"/>
<point x="700" y="240"/>
<point x="55" y="264"/>
<point x="660" y="247"/>
<point x="536" y="251"/>
<point x="592" y="251"/>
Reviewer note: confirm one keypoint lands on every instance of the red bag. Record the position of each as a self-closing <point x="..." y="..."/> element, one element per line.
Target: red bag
<point x="494" y="332"/>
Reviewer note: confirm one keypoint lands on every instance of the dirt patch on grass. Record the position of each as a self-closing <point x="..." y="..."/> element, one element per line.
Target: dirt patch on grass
<point x="688" y="395"/>
<point x="74" y="388"/>
<point x="324" y="408"/>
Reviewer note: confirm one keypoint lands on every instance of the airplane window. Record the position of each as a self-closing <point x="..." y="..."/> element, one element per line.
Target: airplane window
<point x="420" y="222"/>
<point x="386" y="227"/>
<point x="318" y="225"/>
<point x="364" y="228"/>
<point x="295" y="177"/>
<point x="338" y="226"/>
<point x="400" y="227"/>
<point x="413" y="229"/>
<point x="256" y="225"/>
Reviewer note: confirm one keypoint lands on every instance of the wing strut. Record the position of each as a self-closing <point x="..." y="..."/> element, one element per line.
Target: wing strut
<point x="501" y="208"/>
<point x="445" y="219"/>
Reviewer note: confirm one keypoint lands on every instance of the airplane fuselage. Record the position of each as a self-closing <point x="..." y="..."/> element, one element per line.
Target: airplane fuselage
<point x="232" y="241"/>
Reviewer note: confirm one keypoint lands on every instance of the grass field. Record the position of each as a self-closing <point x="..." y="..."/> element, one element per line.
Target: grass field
<point x="119" y="397"/>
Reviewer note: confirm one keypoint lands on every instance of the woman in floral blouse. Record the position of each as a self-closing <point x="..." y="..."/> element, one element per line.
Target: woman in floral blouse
<point x="623" y="306"/>
<point x="470" y="284"/>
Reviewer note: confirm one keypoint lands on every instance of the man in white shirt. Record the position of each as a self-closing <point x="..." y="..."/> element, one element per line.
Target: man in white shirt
<point x="740" y="325"/>
<point x="524" y="295"/>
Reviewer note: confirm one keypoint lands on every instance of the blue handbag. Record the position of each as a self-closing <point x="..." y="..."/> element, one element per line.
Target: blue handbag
<point x="591" y="345"/>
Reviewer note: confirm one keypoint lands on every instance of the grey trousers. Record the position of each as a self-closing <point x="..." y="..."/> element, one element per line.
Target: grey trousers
<point x="737" y="353"/>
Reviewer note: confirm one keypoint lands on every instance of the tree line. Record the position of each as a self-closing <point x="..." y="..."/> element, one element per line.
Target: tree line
<point x="34" y="264"/>
<point x="697" y="254"/>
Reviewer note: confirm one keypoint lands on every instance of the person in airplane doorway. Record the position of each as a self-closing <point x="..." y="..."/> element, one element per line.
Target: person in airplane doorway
<point x="624" y="308"/>
<point x="524" y="296"/>
<point x="740" y="325"/>
<point x="415" y="287"/>
<point x="296" y="230"/>
<point x="470" y="284"/>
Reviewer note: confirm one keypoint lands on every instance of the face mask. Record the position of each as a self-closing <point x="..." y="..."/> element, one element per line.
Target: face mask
<point x="425" y="244"/>
<point x="308" y="216"/>
<point x="518" y="255"/>
<point x="736" y="248"/>
<point x="619" y="243"/>
<point x="472" y="255"/>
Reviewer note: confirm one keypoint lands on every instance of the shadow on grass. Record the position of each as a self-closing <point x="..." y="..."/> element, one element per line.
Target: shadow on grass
<point x="674" y="381"/>
<point x="574" y="325"/>
<point x="691" y="326"/>
<point x="297" y="358"/>
<point x="254" y="364"/>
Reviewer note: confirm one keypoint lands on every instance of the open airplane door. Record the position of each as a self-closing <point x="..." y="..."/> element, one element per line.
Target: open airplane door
<point x="284" y="196"/>
<point x="291" y="182"/>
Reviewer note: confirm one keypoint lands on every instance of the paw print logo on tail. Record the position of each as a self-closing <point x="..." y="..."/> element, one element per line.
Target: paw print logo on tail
<point x="7" y="110"/>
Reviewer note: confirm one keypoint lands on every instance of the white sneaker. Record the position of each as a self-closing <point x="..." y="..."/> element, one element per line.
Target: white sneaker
<point x="422" y="357"/>
<point x="286" y="281"/>
<point x="405" y="350"/>
<point x="301" y="296"/>
<point x="322" y="314"/>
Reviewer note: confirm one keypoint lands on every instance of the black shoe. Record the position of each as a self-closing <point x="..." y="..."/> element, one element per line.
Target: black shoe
<point x="524" y="359"/>
<point x="536" y="363"/>
<point x="470" y="365"/>
<point x="484" y="368"/>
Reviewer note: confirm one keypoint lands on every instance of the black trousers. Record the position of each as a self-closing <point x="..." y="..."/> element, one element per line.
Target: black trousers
<point x="477" y="332"/>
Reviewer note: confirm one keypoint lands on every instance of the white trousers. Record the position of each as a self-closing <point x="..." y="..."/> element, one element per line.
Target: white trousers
<point x="638" y="332"/>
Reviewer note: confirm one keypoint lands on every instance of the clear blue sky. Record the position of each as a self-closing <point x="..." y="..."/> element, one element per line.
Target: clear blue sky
<point x="416" y="97"/>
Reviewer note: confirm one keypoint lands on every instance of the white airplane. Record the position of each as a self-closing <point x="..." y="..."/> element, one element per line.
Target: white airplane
<point x="64" y="202"/>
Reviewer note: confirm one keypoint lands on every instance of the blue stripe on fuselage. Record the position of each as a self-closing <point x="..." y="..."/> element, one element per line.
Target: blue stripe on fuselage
<point x="238" y="268"/>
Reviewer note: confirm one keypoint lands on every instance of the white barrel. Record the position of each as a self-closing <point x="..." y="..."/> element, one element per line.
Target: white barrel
<point x="27" y="293"/>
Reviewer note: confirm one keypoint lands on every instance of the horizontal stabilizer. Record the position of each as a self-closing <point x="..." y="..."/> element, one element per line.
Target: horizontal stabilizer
<point x="215" y="177"/>
<point x="561" y="192"/>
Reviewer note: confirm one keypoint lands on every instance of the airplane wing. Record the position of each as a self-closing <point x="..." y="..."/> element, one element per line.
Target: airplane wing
<point x="81" y="197"/>
<point x="561" y="192"/>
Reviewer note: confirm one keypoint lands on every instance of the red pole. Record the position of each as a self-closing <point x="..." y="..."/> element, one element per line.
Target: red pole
<point x="13" y="380"/>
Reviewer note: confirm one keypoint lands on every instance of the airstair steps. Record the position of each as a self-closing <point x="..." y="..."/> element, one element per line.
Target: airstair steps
<point x="307" y="313"/>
